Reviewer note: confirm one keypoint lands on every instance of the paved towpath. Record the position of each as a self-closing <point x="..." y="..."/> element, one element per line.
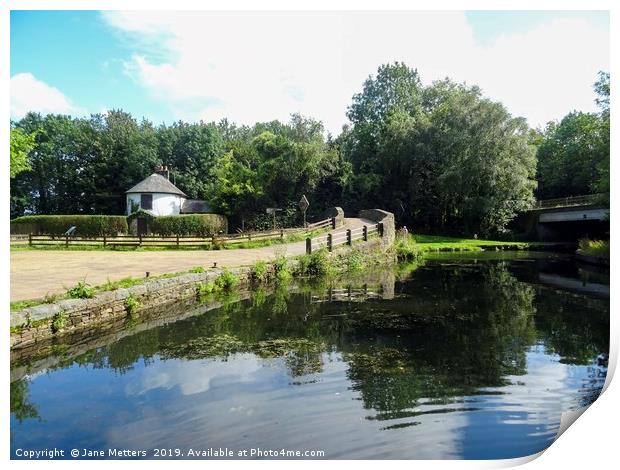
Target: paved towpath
<point x="36" y="273"/>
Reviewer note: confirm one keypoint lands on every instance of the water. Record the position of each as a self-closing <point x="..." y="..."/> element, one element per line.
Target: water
<point x="467" y="357"/>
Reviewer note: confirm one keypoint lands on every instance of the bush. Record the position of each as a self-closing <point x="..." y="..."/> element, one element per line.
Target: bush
<point x="406" y="248"/>
<point x="226" y="281"/>
<point x="200" y="225"/>
<point x="205" y="288"/>
<point x="280" y="268"/>
<point x="260" y="271"/>
<point x="86" y="225"/>
<point x="81" y="291"/>
<point x="132" y="305"/>
<point x="316" y="264"/>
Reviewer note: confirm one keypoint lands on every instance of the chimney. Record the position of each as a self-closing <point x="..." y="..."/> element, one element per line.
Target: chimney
<point x="163" y="170"/>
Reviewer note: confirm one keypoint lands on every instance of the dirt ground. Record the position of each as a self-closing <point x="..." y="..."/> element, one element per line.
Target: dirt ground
<point x="37" y="273"/>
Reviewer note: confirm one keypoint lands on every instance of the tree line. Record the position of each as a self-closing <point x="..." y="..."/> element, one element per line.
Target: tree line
<point x="442" y="157"/>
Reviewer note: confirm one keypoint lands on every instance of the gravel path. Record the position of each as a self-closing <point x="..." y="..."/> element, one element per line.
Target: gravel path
<point x="37" y="273"/>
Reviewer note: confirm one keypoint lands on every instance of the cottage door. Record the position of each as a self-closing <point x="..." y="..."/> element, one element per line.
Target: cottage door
<point x="142" y="229"/>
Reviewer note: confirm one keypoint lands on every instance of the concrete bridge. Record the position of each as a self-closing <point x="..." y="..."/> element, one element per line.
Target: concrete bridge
<point x="566" y="219"/>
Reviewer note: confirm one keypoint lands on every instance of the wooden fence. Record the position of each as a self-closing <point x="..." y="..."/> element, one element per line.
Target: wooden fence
<point x="171" y="241"/>
<point x="344" y="237"/>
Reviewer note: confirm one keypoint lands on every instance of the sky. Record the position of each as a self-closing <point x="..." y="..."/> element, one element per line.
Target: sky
<point x="259" y="66"/>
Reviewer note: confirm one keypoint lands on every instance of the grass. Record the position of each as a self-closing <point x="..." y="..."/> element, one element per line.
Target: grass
<point x="430" y="243"/>
<point x="598" y="248"/>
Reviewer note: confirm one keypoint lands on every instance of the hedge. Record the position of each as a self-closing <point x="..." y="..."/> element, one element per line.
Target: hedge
<point x="86" y="225"/>
<point x="203" y="225"/>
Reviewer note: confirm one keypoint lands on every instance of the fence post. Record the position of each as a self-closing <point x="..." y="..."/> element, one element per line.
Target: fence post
<point x="380" y="227"/>
<point x="329" y="242"/>
<point x="140" y="239"/>
<point x="104" y="241"/>
<point x="281" y="233"/>
<point x="30" y="239"/>
<point x="66" y="240"/>
<point x="365" y="233"/>
<point x="308" y="246"/>
<point x="177" y="241"/>
<point x="349" y="240"/>
<point x="334" y="223"/>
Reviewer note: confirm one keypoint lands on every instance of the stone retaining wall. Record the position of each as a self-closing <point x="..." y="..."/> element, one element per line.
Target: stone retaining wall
<point x="35" y="323"/>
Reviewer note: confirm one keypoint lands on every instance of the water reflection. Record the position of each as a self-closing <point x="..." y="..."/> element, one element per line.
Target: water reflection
<point x="430" y="361"/>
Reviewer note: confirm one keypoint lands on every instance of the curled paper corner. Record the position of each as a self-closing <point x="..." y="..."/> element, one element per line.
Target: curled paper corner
<point x="568" y="418"/>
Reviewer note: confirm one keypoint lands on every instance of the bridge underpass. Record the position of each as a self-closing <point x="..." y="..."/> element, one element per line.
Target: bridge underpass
<point x="565" y="219"/>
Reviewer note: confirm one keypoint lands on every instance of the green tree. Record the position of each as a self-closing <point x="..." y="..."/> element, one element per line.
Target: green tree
<point x="21" y="145"/>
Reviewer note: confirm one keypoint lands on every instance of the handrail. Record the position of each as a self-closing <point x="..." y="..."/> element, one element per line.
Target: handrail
<point x="570" y="201"/>
<point x="347" y="237"/>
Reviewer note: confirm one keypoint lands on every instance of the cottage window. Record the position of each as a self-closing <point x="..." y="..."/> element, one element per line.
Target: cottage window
<point x="146" y="201"/>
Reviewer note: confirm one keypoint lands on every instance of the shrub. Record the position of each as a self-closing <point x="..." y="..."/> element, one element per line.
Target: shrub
<point x="86" y="225"/>
<point x="318" y="263"/>
<point x="205" y="288"/>
<point x="59" y="321"/>
<point x="226" y="280"/>
<point x="132" y="305"/>
<point x="81" y="291"/>
<point x="406" y="248"/>
<point x="197" y="269"/>
<point x="280" y="268"/>
<point x="260" y="271"/>
<point x="200" y="225"/>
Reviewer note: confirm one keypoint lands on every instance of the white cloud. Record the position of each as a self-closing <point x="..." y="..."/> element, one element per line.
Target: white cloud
<point x="30" y="94"/>
<point x="265" y="65"/>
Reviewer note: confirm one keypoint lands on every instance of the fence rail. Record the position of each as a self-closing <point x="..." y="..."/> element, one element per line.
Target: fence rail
<point x="344" y="237"/>
<point x="168" y="241"/>
<point x="571" y="201"/>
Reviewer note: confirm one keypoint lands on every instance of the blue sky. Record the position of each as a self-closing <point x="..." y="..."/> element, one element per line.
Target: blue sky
<point x="260" y="66"/>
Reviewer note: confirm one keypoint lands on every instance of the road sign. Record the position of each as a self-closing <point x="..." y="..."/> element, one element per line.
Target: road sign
<point x="272" y="210"/>
<point x="303" y="203"/>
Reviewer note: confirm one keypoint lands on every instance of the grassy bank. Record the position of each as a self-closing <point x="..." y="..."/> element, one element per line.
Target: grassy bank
<point x="414" y="246"/>
<point x="596" y="248"/>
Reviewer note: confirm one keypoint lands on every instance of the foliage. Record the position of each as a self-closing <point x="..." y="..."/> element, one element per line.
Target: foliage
<point x="317" y="263"/>
<point x="205" y="288"/>
<point x="406" y="248"/>
<point x="132" y="304"/>
<point x="260" y="271"/>
<point x="86" y="225"/>
<point x="21" y="145"/>
<point x="59" y="321"/>
<point x="281" y="268"/>
<point x="226" y="280"/>
<point x="440" y="157"/>
<point x="81" y="290"/>
<point x="598" y="248"/>
<point x="203" y="225"/>
<point x="197" y="269"/>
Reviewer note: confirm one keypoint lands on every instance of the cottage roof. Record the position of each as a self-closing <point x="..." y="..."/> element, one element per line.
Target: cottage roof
<point x="156" y="183"/>
<point x="195" y="206"/>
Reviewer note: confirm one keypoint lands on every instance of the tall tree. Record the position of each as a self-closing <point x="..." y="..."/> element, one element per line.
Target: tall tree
<point x="21" y="145"/>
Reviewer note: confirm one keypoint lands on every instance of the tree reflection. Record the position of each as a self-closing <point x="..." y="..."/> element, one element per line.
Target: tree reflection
<point x="21" y="407"/>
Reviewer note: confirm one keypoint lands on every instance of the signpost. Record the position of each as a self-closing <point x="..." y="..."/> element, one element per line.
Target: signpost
<point x="303" y="205"/>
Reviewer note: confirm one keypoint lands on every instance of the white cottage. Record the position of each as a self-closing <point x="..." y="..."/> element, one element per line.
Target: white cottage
<point x="157" y="196"/>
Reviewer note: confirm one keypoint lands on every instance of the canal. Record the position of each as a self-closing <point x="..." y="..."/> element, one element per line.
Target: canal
<point x="471" y="356"/>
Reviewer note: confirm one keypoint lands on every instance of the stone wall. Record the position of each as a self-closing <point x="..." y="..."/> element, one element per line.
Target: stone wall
<point x="385" y="218"/>
<point x="337" y="213"/>
<point x="35" y="323"/>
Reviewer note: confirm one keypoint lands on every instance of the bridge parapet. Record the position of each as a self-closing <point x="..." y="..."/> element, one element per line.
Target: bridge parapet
<point x="571" y="201"/>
